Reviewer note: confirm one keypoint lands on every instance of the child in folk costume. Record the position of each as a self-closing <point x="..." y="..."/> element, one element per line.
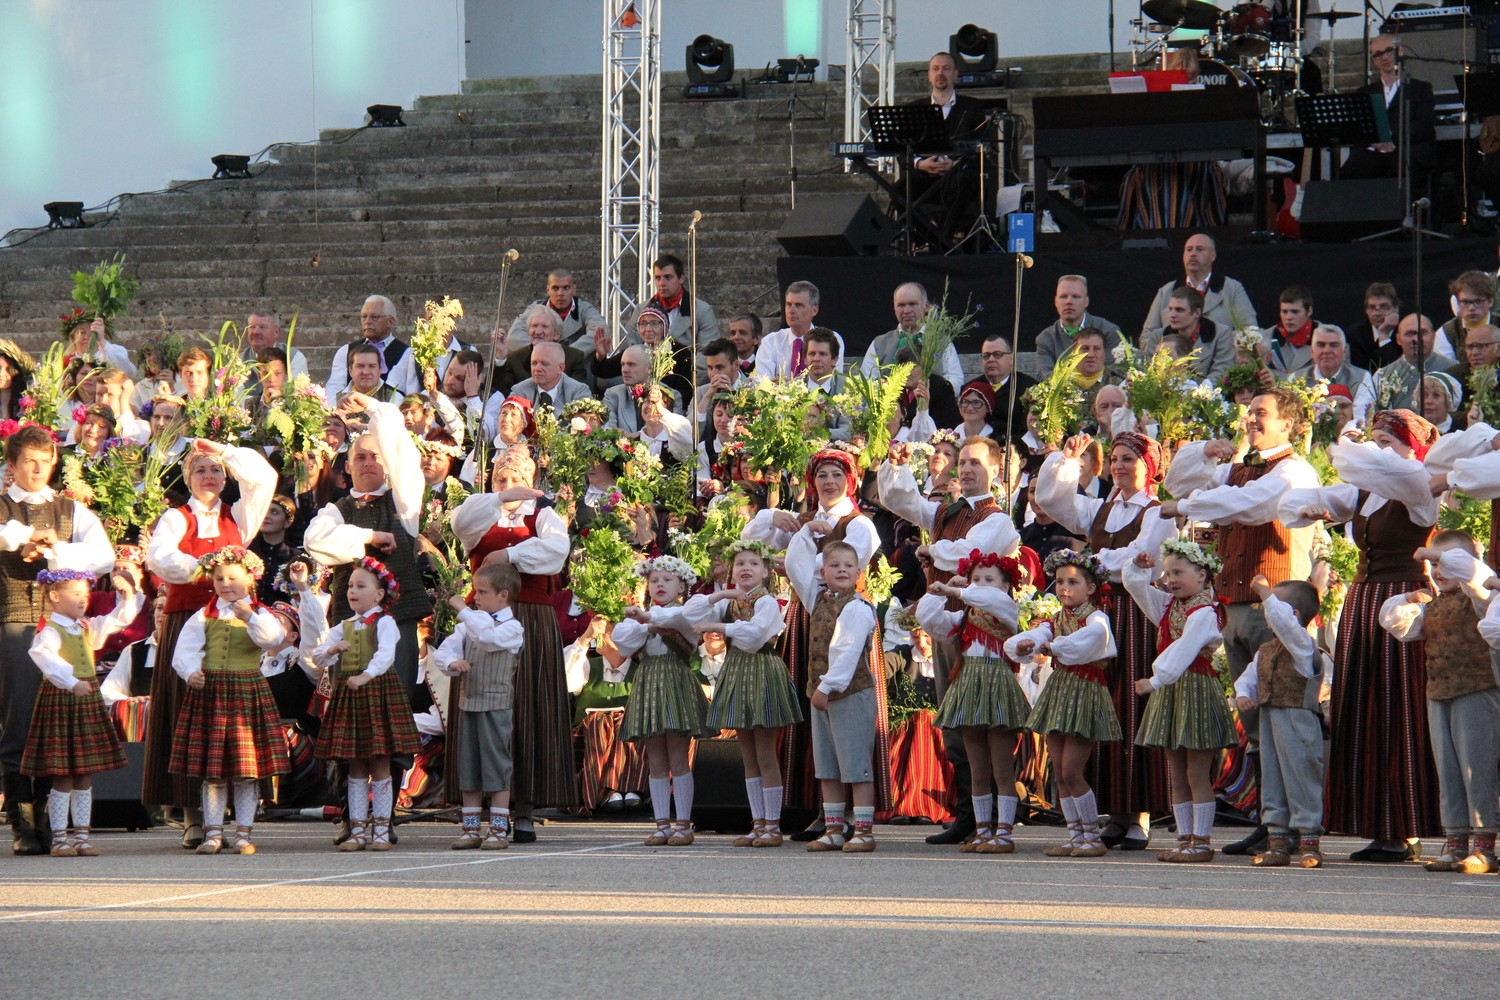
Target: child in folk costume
<point x="754" y="695"/>
<point x="1463" y="701"/>
<point x="985" y="702"/>
<point x="229" y="731"/>
<point x="1186" y="715"/>
<point x="368" y="719"/>
<point x="840" y="686"/>
<point x="666" y="707"/>
<point x="72" y="736"/>
<point x="483" y="651"/>
<point x="1284" y="681"/>
<point x="1074" y="710"/>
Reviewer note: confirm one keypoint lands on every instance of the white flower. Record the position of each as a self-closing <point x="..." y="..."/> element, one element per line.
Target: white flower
<point x="1121" y="353"/>
<point x="1205" y="392"/>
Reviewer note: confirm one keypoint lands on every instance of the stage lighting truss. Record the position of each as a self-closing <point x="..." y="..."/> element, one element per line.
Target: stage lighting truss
<point x="976" y="56"/>
<point x="869" y="67"/>
<point x="630" y="199"/>
<point x="710" y="69"/>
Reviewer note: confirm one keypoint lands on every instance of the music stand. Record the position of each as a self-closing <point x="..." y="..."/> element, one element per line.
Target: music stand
<point x="908" y="129"/>
<point x="1343" y="120"/>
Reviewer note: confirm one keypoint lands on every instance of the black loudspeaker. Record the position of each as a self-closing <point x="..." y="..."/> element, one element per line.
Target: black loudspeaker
<point x="117" y="794"/>
<point x="835" y="225"/>
<point x="719" y="801"/>
<point x="1340" y="211"/>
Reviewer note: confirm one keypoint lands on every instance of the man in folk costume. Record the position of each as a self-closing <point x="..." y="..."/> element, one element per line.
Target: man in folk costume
<point x="957" y="528"/>
<point x="380" y="519"/>
<point x="41" y="530"/>
<point x="1242" y="499"/>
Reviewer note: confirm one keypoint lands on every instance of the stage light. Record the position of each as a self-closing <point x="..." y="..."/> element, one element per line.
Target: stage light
<point x="710" y="68"/>
<point x="798" y="70"/>
<point x="385" y="116"/>
<point x="64" y="215"/>
<point x="976" y="54"/>
<point x="229" y="166"/>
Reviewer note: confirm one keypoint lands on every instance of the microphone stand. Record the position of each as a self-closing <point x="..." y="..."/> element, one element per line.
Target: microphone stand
<point x="485" y="444"/>
<point x="693" y="294"/>
<point x="1023" y="261"/>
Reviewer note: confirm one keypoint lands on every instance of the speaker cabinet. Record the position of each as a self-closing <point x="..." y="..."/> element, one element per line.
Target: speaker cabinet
<point x="1340" y="211"/>
<point x="836" y="225"/>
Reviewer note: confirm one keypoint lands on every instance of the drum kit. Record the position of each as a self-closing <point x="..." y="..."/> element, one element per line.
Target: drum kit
<point x="1245" y="46"/>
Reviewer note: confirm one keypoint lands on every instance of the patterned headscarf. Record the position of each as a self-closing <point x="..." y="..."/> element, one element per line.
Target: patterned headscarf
<point x="1147" y="449"/>
<point x="1404" y="425"/>
<point x="845" y="462"/>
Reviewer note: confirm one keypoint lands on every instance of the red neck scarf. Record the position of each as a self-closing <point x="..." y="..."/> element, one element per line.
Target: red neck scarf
<point x="1300" y="338"/>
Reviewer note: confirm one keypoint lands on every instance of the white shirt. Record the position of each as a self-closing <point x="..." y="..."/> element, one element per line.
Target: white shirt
<point x="387" y="635"/>
<point x="488" y="632"/>
<point x="773" y="359"/>
<point x="940" y="623"/>
<point x="630" y="637"/>
<point x="859" y="533"/>
<point x="257" y="480"/>
<point x="46" y="646"/>
<point x="89" y="550"/>
<point x="1199" y="632"/>
<point x="1058" y="497"/>
<point x="543" y="554"/>
<point x="187" y="659"/>
<point x="900" y="494"/>
<point x="333" y="542"/>
<point x="764" y="624"/>
<point x="402" y="375"/>
<point x="1364" y="465"/>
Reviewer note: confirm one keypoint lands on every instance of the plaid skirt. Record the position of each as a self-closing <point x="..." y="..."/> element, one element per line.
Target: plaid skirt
<point x="754" y="692"/>
<point x="372" y="721"/>
<point x="159" y="786"/>
<point x="665" y="697"/>
<point x="1191" y="714"/>
<point x="229" y="730"/>
<point x="1075" y="706"/>
<point x="71" y="734"/>
<point x="986" y="694"/>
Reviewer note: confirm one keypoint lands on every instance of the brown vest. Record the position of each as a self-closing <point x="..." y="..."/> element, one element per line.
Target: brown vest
<point x="821" y="623"/>
<point x="1248" y="549"/>
<point x="1386" y="540"/>
<point x="1280" y="684"/>
<point x="1101" y="539"/>
<point x="952" y="522"/>
<point x="1458" y="658"/>
<point x="23" y="598"/>
<point x="379" y="514"/>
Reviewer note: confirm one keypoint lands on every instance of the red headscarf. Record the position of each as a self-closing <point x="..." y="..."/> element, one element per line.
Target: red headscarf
<point x="1404" y="425"/>
<point x="1334" y="389"/>
<point x="525" y="406"/>
<point x="843" y="460"/>
<point x="983" y="390"/>
<point x="1147" y="449"/>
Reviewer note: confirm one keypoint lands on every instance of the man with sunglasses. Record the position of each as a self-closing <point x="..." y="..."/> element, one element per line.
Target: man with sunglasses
<point x="1399" y="90"/>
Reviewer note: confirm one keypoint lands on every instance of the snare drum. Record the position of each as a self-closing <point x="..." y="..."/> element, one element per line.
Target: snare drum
<point x="1247" y="31"/>
<point x="1279" y="62"/>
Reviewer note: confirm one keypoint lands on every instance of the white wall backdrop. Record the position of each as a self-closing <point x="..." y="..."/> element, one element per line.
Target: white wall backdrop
<point x="103" y="96"/>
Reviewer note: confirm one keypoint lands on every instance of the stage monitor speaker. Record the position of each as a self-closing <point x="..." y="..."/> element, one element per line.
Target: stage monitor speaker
<point x="117" y="794"/>
<point x="719" y="799"/>
<point x="1340" y="211"/>
<point x="835" y="225"/>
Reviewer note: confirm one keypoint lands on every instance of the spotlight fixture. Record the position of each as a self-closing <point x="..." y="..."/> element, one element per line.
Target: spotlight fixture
<point x="976" y="56"/>
<point x="64" y="215"/>
<point x="229" y="166"/>
<point x="385" y="116"/>
<point x="710" y="68"/>
<point x="798" y="70"/>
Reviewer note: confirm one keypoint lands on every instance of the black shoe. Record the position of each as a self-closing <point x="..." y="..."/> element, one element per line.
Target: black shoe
<point x="957" y="833"/>
<point x="813" y="832"/>
<point x="1113" y="835"/>
<point x="1384" y="855"/>
<point x="520" y="836"/>
<point x="1135" y="843"/>
<point x="341" y="836"/>
<point x="1254" y="841"/>
<point x="24" y="841"/>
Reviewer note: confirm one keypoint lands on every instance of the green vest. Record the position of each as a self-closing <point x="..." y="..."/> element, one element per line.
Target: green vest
<point x="228" y="648"/>
<point x="75" y="649"/>
<point x="361" y="649"/>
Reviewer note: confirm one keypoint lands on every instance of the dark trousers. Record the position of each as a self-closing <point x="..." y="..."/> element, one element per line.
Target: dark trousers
<point x="944" y="657"/>
<point x="19" y="682"/>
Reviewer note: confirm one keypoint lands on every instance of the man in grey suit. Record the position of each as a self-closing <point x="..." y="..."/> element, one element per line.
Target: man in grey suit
<point x="549" y="385"/>
<point x="1225" y="300"/>
<point x="1072" y="303"/>
<point x="911" y="304"/>
<point x="1396" y="383"/>
<point x="624" y="406"/>
<point x="579" y="318"/>
<point x="1330" y="360"/>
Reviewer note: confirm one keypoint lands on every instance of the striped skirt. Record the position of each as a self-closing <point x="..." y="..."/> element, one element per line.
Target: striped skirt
<point x="1074" y="706"/>
<point x="1381" y="780"/>
<point x="609" y="763"/>
<point x="1125" y="778"/>
<point x="986" y="694"/>
<point x="1191" y="714"/>
<point x="546" y="773"/>
<point x="229" y="729"/>
<point x="371" y="721"/>
<point x="665" y="697"/>
<point x="71" y="734"/>
<point x="159" y="785"/>
<point x="754" y="692"/>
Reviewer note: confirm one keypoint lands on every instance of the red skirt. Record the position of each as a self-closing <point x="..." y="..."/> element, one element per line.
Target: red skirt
<point x="71" y="734"/>
<point x="371" y="721"/>
<point x="1128" y="779"/>
<point x="229" y="730"/>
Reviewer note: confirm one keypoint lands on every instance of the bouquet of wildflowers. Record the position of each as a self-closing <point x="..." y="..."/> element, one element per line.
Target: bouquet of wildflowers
<point x="1035" y="606"/>
<point x="434" y="329"/>
<point x="296" y="421"/>
<point x="870" y="404"/>
<point x="221" y="414"/>
<point x="772" y="425"/>
<point x="106" y="291"/>
<point x="603" y="573"/>
<point x="1058" y="403"/>
<point x="123" y="486"/>
<point x="941" y="330"/>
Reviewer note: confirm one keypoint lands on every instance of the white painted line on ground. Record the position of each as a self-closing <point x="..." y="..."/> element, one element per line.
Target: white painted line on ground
<point x="374" y="872"/>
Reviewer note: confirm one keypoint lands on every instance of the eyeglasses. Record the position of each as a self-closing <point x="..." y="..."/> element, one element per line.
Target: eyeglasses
<point x="1474" y="302"/>
<point x="994" y="355"/>
<point x="1481" y="343"/>
<point x="1377" y="53"/>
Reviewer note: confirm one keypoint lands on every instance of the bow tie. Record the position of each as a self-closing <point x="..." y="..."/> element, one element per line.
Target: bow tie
<point x="364" y="498"/>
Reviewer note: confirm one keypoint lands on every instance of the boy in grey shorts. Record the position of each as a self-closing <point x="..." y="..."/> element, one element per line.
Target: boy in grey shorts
<point x="840" y="685"/>
<point x="482" y="651"/>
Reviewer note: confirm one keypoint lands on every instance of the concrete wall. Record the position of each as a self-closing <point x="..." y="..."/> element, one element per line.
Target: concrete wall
<point x="103" y="96"/>
<point x="523" y="38"/>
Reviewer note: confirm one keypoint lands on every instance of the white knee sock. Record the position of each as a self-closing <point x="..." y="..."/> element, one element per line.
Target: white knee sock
<point x="1182" y="812"/>
<point x="1203" y="818"/>
<point x="984" y="810"/>
<point x="57" y="811"/>
<point x="772" y="797"/>
<point x="83" y="807"/>
<point x="1087" y="808"/>
<point x="246" y="800"/>
<point x="359" y="800"/>
<point x="1006" y="806"/>
<point x="384" y="796"/>
<point x="757" y="796"/>
<point x="215" y="801"/>
<point x="1069" y="810"/>
<point x="682" y="793"/>
<point x="661" y="798"/>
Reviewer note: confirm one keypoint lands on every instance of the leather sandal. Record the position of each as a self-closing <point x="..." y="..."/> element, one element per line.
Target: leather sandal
<point x="213" y="840"/>
<point x="358" y="838"/>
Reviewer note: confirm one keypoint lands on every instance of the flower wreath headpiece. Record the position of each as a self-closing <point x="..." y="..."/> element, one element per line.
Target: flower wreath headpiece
<point x="230" y="555"/>
<point x="386" y="577"/>
<point x="669" y="564"/>
<point x="1194" y="553"/>
<point x="1085" y="560"/>
<point x="755" y="545"/>
<point x="48" y="577"/>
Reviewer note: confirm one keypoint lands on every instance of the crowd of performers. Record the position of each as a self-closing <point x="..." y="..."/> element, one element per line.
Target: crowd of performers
<point x="1098" y="609"/>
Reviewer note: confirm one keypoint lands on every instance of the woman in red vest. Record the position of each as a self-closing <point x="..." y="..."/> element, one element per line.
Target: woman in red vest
<point x="511" y="525"/>
<point x="182" y="536"/>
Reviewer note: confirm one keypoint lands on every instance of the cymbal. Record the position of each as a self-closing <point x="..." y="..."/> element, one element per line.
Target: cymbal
<point x="1329" y="16"/>
<point x="1192" y="14"/>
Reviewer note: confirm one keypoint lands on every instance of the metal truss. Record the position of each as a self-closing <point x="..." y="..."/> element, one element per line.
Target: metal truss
<point x="630" y="198"/>
<point x="869" y="58"/>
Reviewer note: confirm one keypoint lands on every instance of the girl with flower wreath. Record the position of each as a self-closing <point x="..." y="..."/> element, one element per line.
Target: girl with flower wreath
<point x="754" y="695"/>
<point x="368" y="719"/>
<point x="1074" y="710"/>
<point x="229" y="730"/>
<point x="985" y="702"/>
<point x="16" y="367"/>
<point x="1187" y="714"/>
<point x="667" y="708"/>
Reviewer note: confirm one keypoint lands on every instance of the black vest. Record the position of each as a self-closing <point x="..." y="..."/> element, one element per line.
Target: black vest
<point x="380" y="515"/>
<point x="23" y="597"/>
